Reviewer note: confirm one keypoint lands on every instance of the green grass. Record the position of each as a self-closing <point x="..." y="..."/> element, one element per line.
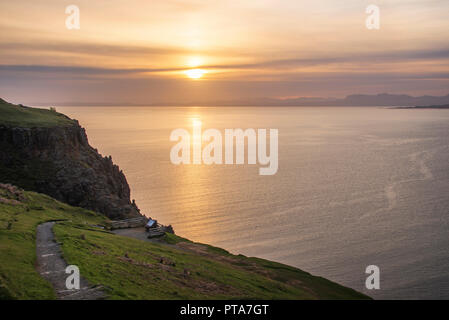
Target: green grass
<point x="12" y="115"/>
<point x="18" y="222"/>
<point x="171" y="238"/>
<point x="132" y="269"/>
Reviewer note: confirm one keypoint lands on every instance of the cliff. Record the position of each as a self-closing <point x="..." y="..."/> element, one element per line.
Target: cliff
<point x="45" y="151"/>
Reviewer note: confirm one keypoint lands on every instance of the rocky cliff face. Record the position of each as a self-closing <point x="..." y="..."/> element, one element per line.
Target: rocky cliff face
<point x="59" y="161"/>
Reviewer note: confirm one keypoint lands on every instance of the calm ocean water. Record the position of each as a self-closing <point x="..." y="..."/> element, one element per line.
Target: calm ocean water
<point x="355" y="187"/>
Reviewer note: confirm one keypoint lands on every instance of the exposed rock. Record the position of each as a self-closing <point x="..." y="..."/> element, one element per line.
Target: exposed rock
<point x="10" y="194"/>
<point x="169" y="229"/>
<point x="59" y="161"/>
<point x="167" y="261"/>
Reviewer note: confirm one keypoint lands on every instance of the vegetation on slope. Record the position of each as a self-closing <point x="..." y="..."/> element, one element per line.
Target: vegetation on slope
<point x="135" y="269"/>
<point x="20" y="213"/>
<point x="12" y="115"/>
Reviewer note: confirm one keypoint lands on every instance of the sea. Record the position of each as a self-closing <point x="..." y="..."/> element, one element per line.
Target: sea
<point x="355" y="187"/>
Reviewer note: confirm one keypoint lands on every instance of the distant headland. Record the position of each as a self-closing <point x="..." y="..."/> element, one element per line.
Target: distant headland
<point x="379" y="100"/>
<point x="444" y="106"/>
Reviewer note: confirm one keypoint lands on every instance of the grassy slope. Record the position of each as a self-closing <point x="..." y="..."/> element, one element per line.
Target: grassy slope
<point x="132" y="269"/>
<point x="14" y="115"/>
<point x="18" y="222"/>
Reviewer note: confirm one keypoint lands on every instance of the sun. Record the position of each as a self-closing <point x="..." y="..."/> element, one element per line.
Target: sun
<point x="195" y="73"/>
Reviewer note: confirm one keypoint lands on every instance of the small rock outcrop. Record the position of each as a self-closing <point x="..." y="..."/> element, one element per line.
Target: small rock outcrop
<point x="59" y="162"/>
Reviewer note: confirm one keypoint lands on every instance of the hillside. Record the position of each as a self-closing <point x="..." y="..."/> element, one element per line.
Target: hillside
<point x="133" y="269"/>
<point x="45" y="151"/>
<point x="20" y="213"/>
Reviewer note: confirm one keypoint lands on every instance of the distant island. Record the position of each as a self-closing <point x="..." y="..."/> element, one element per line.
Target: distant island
<point x="444" y="106"/>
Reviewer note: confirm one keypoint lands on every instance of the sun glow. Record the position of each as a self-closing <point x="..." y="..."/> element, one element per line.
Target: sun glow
<point x="194" y="62"/>
<point x="195" y="73"/>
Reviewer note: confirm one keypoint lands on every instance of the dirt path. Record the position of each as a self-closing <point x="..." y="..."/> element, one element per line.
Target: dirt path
<point x="51" y="266"/>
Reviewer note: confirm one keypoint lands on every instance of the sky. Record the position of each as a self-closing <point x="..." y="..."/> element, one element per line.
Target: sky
<point x="143" y="52"/>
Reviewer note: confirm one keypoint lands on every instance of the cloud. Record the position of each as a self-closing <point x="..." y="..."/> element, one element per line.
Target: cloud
<point x="101" y="49"/>
<point x="75" y="70"/>
<point x="251" y="48"/>
<point x="367" y="58"/>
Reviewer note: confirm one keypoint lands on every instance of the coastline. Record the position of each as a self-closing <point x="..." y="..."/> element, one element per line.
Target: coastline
<point x="190" y="270"/>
